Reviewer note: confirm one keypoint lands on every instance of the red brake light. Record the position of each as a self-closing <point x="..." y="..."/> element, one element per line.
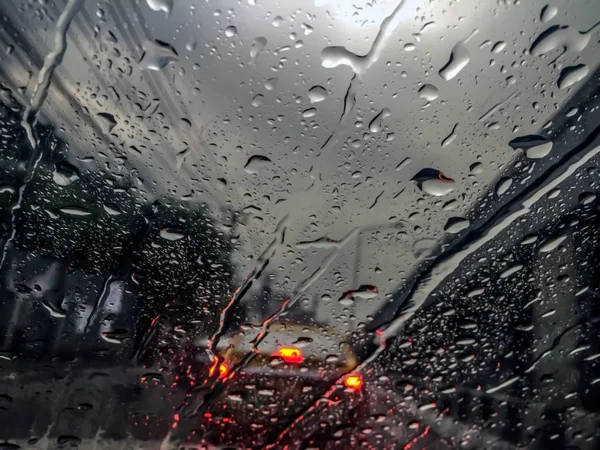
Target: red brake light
<point x="353" y="382"/>
<point x="223" y="370"/>
<point x="289" y="355"/>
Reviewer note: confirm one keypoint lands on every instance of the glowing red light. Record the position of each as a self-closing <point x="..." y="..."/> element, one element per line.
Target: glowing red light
<point x="290" y="355"/>
<point x="444" y="178"/>
<point x="353" y="382"/>
<point x="223" y="370"/>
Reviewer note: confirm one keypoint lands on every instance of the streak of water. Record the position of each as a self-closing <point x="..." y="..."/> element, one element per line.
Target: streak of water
<point x="446" y="266"/>
<point x="261" y="263"/>
<point x="335" y="56"/>
<point x="30" y="115"/>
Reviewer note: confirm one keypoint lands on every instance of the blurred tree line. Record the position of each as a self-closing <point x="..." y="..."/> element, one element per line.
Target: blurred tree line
<point x="94" y="219"/>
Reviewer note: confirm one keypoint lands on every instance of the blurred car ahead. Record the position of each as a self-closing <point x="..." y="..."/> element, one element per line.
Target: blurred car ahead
<point x="265" y="382"/>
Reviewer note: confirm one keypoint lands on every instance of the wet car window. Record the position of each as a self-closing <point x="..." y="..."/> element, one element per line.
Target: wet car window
<point x="319" y="224"/>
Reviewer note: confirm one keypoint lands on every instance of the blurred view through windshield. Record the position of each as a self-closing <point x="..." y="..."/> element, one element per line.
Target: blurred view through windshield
<point x="299" y="225"/>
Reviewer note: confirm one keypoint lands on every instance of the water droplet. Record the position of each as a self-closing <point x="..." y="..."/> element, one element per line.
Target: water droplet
<point x="236" y="397"/>
<point x="475" y="292"/>
<point x="376" y="123"/>
<point x="317" y="94"/>
<point x="112" y="210"/>
<point x="364" y="292"/>
<point x="451" y="137"/>
<point x="528" y="240"/>
<point x="266" y="392"/>
<point x="498" y="47"/>
<point x="558" y="36"/>
<point x="571" y="112"/>
<point x="429" y="92"/>
<point x="503" y="185"/>
<point x="511" y="271"/>
<point x="256" y="163"/>
<point x="535" y="146"/>
<point x="476" y="168"/>
<point x="455" y="225"/>
<point x="270" y="84"/>
<point x="75" y="211"/>
<point x="459" y="58"/>
<point x="221" y="183"/>
<point x="548" y="13"/>
<point x="109" y="38"/>
<point x="434" y="182"/>
<point x="334" y="56"/>
<point x="258" y="46"/>
<point x="258" y="100"/>
<point x="157" y="55"/>
<point x="571" y="75"/>
<point x="171" y="234"/>
<point x="450" y="205"/>
<point x="309" y="112"/>
<point x="346" y="301"/>
<point x="586" y="198"/>
<point x="106" y="121"/>
<point x="307" y="29"/>
<point x="552" y="244"/>
<point x="231" y="31"/>
<point x="161" y="5"/>
<point x="65" y="174"/>
<point x="554" y="193"/>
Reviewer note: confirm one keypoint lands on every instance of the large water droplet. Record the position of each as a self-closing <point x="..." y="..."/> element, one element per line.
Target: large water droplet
<point x="112" y="210"/>
<point x="476" y="168"/>
<point x="309" y="112"/>
<point x="75" y="211"/>
<point x="65" y="174"/>
<point x="377" y="122"/>
<point x="426" y="248"/>
<point x="429" y="92"/>
<point x="571" y="75"/>
<point x="256" y="163"/>
<point x="231" y="31"/>
<point x="456" y="225"/>
<point x="535" y="146"/>
<point x="503" y="185"/>
<point x="258" y="100"/>
<point x="558" y="36"/>
<point x="498" y="47"/>
<point x="106" y="121"/>
<point x="157" y="55"/>
<point x="317" y="94"/>
<point x="258" y="46"/>
<point x="548" y="13"/>
<point x="511" y="271"/>
<point x="552" y="244"/>
<point x="270" y="84"/>
<point x="434" y="182"/>
<point x="335" y="56"/>
<point x="459" y="58"/>
<point x="171" y="234"/>
<point x="161" y="5"/>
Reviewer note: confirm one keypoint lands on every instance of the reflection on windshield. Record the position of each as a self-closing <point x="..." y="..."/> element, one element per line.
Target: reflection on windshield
<point x="259" y="224"/>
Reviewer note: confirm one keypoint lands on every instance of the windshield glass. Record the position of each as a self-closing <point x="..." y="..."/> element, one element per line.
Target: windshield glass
<point x="320" y="224"/>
